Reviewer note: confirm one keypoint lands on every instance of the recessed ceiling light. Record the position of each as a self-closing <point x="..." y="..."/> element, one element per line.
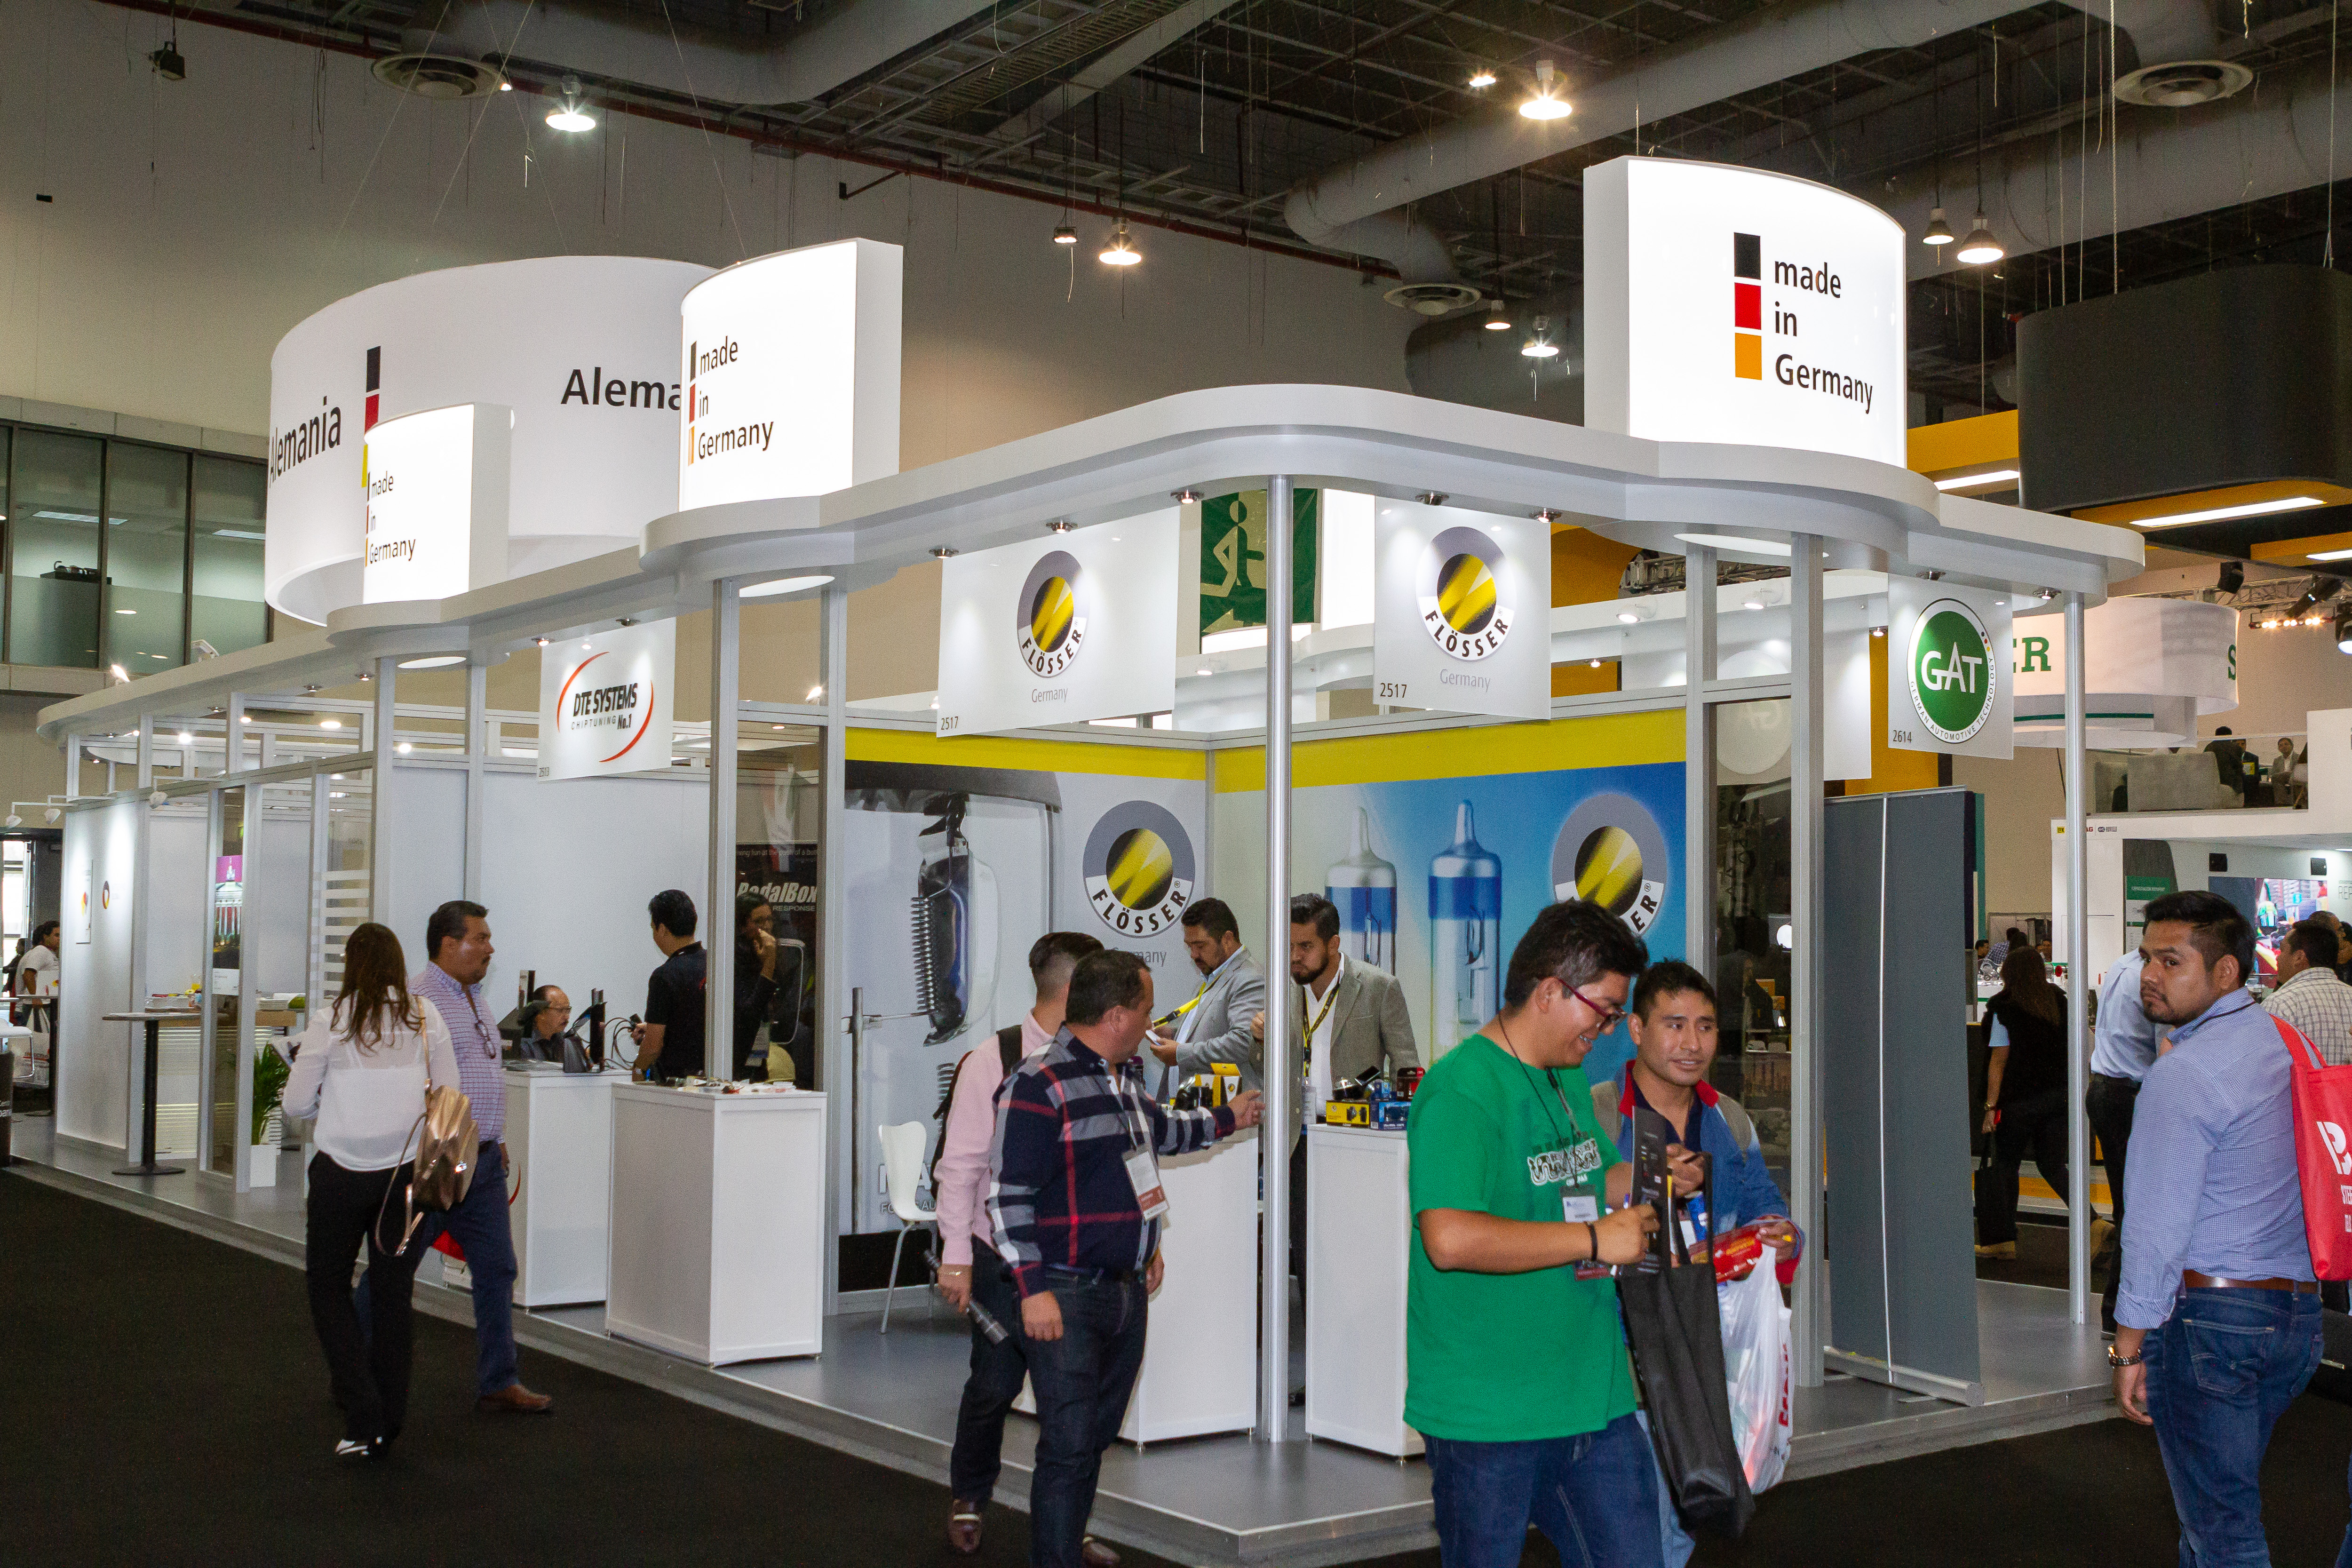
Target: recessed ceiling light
<point x="433" y="661"/>
<point x="1481" y="77"/>
<point x="2329" y="556"/>
<point x="1755" y="603"/>
<point x="1735" y="542"/>
<point x="1628" y="617"/>
<point x="2223" y="513"/>
<point x="186" y="738"/>
<point x="1970" y="482"/>
<point x="401" y="748"/>
<point x="126" y="612"/>
<point x="330" y="724"/>
<point x="1204" y="670"/>
<point x="786" y="585"/>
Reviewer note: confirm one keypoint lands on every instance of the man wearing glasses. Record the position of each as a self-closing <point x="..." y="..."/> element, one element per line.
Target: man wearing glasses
<point x="1513" y="1183"/>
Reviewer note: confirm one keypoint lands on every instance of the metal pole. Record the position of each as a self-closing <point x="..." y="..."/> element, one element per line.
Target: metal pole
<point x="380" y="834"/>
<point x="1275" y="1421"/>
<point x="834" y="998"/>
<point x="1811" y="1324"/>
<point x="146" y="752"/>
<point x="233" y="734"/>
<point x="477" y="699"/>
<point x="1698" y="760"/>
<point x="2078" y="980"/>
<point x="719" y="914"/>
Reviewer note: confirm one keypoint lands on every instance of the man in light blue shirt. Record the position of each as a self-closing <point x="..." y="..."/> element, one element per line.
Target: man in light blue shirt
<point x="2217" y="1326"/>
<point x="2123" y="1044"/>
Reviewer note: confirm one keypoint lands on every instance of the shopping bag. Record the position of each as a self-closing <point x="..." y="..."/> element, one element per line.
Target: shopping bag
<point x="1675" y="1330"/>
<point x="2322" y="1153"/>
<point x="1756" y="1372"/>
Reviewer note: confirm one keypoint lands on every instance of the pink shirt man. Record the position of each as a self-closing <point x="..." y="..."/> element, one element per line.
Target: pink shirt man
<point x="963" y="1151"/>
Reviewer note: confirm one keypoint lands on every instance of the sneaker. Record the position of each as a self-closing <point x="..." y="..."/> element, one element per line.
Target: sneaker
<point x="1998" y="1249"/>
<point x="360" y="1448"/>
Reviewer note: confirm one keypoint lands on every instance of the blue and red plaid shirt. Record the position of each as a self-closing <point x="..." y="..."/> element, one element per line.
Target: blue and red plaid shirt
<point x="1058" y="1192"/>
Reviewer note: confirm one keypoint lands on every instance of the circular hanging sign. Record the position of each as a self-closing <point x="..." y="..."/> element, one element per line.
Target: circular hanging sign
<point x="1952" y="671"/>
<point x="1139" y="868"/>
<point x="1050" y="618"/>
<point x="1612" y="852"/>
<point x="1459" y="589"/>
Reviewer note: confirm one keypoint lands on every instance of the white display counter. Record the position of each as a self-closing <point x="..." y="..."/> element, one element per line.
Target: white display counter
<point x="1200" y="1375"/>
<point x="1359" y="1253"/>
<point x="718" y="1226"/>
<point x="559" y="1136"/>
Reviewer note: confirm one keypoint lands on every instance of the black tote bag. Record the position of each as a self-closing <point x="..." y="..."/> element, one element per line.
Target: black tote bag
<point x="1676" y="1334"/>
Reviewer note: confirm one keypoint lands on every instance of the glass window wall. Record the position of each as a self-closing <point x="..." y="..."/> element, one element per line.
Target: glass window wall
<point x="53" y="550"/>
<point x="226" y="608"/>
<point x="146" y="557"/>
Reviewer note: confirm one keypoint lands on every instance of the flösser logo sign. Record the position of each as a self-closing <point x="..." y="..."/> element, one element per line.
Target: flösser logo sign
<point x="1050" y="617"/>
<point x="1461" y="595"/>
<point x="1139" y="868"/>
<point x="1952" y="671"/>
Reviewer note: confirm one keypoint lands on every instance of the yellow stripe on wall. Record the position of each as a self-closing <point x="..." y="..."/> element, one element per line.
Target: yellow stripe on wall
<point x="1603" y="740"/>
<point x="1037" y="756"/>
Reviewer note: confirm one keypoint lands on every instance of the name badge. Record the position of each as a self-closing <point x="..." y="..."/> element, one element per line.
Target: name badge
<point x="1580" y="1208"/>
<point x="1143" y="1174"/>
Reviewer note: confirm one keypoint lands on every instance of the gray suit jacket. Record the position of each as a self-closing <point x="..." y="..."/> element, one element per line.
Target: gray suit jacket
<point x="1223" y="1031"/>
<point x="1369" y="1028"/>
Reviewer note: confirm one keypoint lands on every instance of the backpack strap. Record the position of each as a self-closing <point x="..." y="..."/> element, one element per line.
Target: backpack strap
<point x="1734" y="1115"/>
<point x="1008" y="1047"/>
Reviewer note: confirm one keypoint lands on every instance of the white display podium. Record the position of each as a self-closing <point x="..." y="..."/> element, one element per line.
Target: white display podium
<point x="559" y="1136"/>
<point x="717" y="1227"/>
<point x="1358" y="1253"/>
<point x="1200" y="1375"/>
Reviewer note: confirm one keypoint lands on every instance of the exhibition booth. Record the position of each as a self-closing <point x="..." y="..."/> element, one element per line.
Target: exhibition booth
<point x="1103" y="745"/>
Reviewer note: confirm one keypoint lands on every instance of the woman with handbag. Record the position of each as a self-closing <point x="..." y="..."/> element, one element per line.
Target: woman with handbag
<point x="363" y="1069"/>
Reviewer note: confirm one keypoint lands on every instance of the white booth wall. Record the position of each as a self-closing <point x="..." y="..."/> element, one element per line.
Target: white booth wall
<point x="101" y="853"/>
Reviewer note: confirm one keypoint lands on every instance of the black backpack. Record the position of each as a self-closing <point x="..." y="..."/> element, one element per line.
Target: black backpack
<point x="1008" y="1051"/>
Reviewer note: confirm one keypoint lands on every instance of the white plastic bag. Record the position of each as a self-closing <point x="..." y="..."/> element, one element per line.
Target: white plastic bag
<point x="1757" y="1371"/>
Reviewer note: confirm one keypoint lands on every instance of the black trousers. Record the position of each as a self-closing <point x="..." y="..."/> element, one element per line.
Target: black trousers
<point x="997" y="1374"/>
<point x="2110" y="1104"/>
<point x="1299" y="1217"/>
<point x="2037" y="1121"/>
<point x="368" y="1372"/>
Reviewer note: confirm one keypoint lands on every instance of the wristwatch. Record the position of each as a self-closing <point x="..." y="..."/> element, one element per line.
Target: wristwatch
<point x="2120" y="1361"/>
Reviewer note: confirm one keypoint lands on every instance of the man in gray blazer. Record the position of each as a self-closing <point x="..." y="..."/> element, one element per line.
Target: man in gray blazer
<point x="1349" y="1018"/>
<point x="1214" y="1027"/>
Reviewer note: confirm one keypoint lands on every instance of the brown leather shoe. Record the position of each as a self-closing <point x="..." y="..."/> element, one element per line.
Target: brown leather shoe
<point x="963" y="1526"/>
<point x="1095" y="1555"/>
<point x="514" y="1399"/>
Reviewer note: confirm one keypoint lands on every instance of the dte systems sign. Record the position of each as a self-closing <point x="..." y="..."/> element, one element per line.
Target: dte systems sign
<point x="1735" y="306"/>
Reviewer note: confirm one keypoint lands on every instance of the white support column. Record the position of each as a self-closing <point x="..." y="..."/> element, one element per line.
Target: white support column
<point x="1276" y="1422"/>
<point x="1698" y="760"/>
<point x="233" y="734"/>
<point x="477" y="699"/>
<point x="249" y="939"/>
<point x="1811" y="1325"/>
<point x="2078" y="979"/>
<point x="73" y="765"/>
<point x="379" y="791"/>
<point x="146" y="752"/>
<point x="836" y="1070"/>
<point x="718" y="909"/>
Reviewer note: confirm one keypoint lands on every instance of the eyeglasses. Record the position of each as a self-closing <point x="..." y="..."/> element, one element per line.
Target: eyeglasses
<point x="1608" y="1014"/>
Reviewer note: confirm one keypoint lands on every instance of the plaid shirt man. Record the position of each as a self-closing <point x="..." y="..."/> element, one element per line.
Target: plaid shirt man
<point x="2320" y="1006"/>
<point x="475" y="1040"/>
<point x="1060" y="1196"/>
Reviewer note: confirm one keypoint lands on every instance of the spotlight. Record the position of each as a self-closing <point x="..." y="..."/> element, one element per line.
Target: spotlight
<point x="1980" y="248"/>
<point x="53" y="814"/>
<point x="568" y="115"/>
<point x="1066" y="235"/>
<point x="169" y="63"/>
<point x="186" y="738"/>
<point x="14" y="821"/>
<point x="1481" y="78"/>
<point x="2344" y="630"/>
<point x="1120" y="252"/>
<point x="119" y="673"/>
<point x="2231" y="577"/>
<point x="1538" y="346"/>
<point x="814" y="692"/>
<point x="1544" y="104"/>
<point x="1498" y="316"/>
<point x="158" y="798"/>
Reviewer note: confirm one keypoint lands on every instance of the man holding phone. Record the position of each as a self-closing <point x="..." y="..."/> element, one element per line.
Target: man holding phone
<point x="1516" y="1368"/>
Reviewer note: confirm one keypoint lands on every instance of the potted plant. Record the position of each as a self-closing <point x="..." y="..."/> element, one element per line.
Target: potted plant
<point x="270" y="1072"/>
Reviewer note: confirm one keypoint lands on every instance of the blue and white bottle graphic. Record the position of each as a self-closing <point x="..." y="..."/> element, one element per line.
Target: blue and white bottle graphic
<point x="1465" y="936"/>
<point x="1363" y="888"/>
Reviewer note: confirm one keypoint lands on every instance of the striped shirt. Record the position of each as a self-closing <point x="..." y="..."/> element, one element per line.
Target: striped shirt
<point x="1059" y="1195"/>
<point x="475" y="1040"/>
<point x="2320" y="1006"/>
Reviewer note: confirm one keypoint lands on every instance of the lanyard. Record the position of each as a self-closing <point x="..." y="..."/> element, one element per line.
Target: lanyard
<point x="1330" y="996"/>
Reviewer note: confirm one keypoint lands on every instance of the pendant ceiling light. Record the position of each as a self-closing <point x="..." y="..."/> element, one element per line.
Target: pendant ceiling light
<point x="1545" y="104"/>
<point x="1481" y="77"/>
<point x="1120" y="252"/>
<point x="568" y="115"/>
<point x="1538" y="345"/>
<point x="1939" y="231"/>
<point x="1498" y="316"/>
<point x="1980" y="248"/>
<point x="1066" y="235"/>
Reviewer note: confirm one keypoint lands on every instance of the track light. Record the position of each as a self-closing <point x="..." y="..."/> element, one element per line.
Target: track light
<point x="1538" y="346"/>
<point x="1481" y="78"/>
<point x="1939" y="231"/>
<point x="52" y="815"/>
<point x="1120" y="252"/>
<point x="1980" y="248"/>
<point x="1498" y="317"/>
<point x="1545" y="104"/>
<point x="14" y="821"/>
<point x="2344" y="630"/>
<point x="568" y="115"/>
<point x="1064" y="235"/>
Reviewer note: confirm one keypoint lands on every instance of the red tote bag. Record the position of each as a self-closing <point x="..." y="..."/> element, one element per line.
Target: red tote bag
<point x="2322" y="1153"/>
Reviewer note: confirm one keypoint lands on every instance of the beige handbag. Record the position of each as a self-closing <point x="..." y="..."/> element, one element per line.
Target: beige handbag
<point x="445" y="1153"/>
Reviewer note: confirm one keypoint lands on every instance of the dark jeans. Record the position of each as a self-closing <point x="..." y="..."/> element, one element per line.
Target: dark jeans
<point x="2110" y="1104"/>
<point x="1082" y="1381"/>
<point x="2038" y="1120"/>
<point x="2220" y="1373"/>
<point x="1595" y="1498"/>
<point x="989" y="1392"/>
<point x="479" y="1225"/>
<point x="368" y="1370"/>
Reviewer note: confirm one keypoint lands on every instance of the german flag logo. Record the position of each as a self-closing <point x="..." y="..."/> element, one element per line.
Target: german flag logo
<point x="1748" y="307"/>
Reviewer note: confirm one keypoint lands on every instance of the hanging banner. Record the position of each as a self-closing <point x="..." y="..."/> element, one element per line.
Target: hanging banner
<point x="437" y="502"/>
<point x="605" y="702"/>
<point x="1451" y="589"/>
<point x="1948" y="686"/>
<point x="1077" y="625"/>
<point x="1233" y="559"/>
<point x="2151" y="669"/>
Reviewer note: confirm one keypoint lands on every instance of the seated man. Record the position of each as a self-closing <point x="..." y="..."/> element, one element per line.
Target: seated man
<point x="546" y="1015"/>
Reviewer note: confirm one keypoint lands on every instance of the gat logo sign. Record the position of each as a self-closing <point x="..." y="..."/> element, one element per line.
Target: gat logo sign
<point x="1050" y="617"/>
<point x="1952" y="671"/>
<point x="1460" y="592"/>
<point x="1139" y="868"/>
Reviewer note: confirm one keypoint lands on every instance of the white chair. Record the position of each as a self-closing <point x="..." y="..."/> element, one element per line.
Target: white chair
<point x="902" y="1164"/>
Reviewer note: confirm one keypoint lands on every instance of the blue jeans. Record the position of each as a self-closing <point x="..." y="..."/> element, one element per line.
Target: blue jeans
<point x="479" y="1223"/>
<point x="1082" y="1381"/>
<point x="1593" y="1496"/>
<point x="2221" y="1372"/>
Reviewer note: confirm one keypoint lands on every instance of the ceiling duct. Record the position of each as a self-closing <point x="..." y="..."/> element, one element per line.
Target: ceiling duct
<point x="430" y="74"/>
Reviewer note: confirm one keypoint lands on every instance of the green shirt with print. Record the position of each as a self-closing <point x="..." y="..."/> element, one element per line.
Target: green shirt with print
<point x="1507" y="1358"/>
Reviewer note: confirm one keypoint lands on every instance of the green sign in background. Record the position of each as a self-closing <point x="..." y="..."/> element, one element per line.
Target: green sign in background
<point x="1951" y="674"/>
<point x="1233" y="559"/>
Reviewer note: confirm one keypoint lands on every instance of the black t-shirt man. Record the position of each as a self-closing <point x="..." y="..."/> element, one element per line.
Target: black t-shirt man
<point x="674" y="999"/>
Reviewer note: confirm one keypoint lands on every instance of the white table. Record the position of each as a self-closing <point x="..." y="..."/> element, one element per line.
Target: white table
<point x="718" y="1226"/>
<point x="1359" y="1252"/>
<point x="560" y="1134"/>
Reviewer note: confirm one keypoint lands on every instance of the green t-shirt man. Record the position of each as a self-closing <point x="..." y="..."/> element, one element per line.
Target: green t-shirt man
<point x="1504" y="1358"/>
